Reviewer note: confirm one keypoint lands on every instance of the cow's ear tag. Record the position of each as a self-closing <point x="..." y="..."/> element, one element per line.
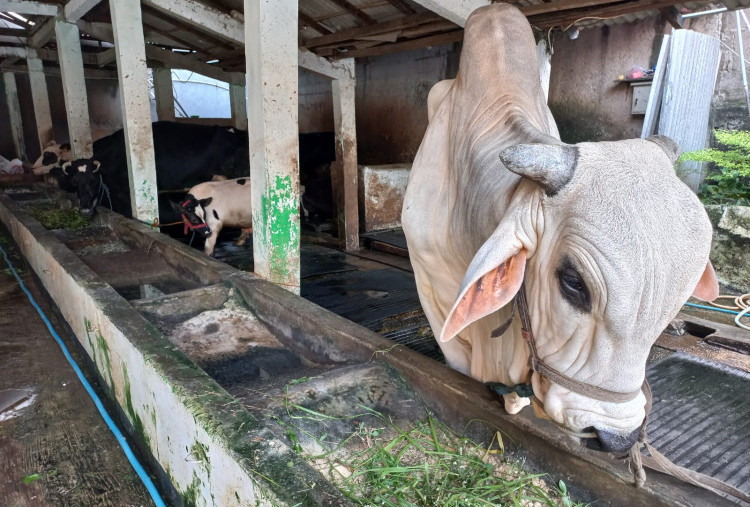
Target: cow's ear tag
<point x="205" y="202"/>
<point x="97" y="165"/>
<point x="489" y="293"/>
<point x="707" y="288"/>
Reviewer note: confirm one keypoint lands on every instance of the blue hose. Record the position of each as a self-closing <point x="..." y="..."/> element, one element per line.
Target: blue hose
<point x="704" y="307"/>
<point x="115" y="431"/>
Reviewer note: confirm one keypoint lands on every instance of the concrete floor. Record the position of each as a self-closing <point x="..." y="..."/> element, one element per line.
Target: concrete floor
<point x="57" y="450"/>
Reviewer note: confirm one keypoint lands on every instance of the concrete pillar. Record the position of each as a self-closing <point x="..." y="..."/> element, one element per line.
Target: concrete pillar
<point x="14" y="110"/>
<point x="41" y="101"/>
<point x="271" y="56"/>
<point x="74" y="87"/>
<point x="164" y="93"/>
<point x="344" y="170"/>
<point x="136" y="112"/>
<point x="237" y="100"/>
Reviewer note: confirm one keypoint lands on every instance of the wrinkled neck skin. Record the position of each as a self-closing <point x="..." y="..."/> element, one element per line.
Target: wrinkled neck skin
<point x="502" y="109"/>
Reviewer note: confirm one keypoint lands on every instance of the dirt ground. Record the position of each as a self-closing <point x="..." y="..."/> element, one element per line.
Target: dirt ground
<point x="55" y="449"/>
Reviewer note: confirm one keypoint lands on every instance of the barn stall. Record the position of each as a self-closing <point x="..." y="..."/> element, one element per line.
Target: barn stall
<point x="215" y="345"/>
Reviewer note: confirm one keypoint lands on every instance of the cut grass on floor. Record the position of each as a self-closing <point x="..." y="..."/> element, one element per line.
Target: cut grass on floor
<point x="425" y="465"/>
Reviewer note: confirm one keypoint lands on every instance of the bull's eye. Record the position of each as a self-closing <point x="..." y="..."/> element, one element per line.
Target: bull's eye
<point x="573" y="288"/>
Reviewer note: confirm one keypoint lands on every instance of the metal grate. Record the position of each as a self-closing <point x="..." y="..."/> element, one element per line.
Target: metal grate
<point x="701" y="417"/>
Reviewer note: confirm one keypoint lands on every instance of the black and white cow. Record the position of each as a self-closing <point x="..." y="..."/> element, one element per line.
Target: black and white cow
<point x="54" y="155"/>
<point x="185" y="155"/>
<point x="74" y="176"/>
<point x="210" y="206"/>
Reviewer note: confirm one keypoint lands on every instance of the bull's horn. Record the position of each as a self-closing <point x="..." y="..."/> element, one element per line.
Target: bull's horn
<point x="65" y="167"/>
<point x="97" y="164"/>
<point x="550" y="165"/>
<point x="670" y="147"/>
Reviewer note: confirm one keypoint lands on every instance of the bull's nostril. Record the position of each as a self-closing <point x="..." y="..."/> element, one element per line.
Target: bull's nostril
<point x="612" y="442"/>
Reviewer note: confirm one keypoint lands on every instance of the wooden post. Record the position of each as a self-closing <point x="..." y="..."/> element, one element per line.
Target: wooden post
<point x="41" y="101"/>
<point x="237" y="100"/>
<point x="344" y="170"/>
<point x="271" y="56"/>
<point x="163" y="93"/>
<point x="74" y="87"/>
<point x="136" y="112"/>
<point x="14" y="111"/>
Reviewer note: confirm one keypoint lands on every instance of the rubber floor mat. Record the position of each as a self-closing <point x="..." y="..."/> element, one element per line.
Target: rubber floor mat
<point x="701" y="417"/>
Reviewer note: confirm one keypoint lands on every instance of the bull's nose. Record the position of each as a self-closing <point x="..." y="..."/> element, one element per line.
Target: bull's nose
<point x="606" y="441"/>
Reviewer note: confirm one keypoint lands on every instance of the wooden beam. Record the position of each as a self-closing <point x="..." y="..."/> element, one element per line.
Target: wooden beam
<point x="53" y="55"/>
<point x="310" y="22"/>
<point x="563" y="5"/>
<point x="55" y="71"/>
<point x="136" y="110"/>
<point x="359" y="32"/>
<point x="13" y="32"/>
<point x="205" y="40"/>
<point x="434" y="40"/>
<point x="357" y="13"/>
<point x="76" y="9"/>
<point x="457" y="11"/>
<point x="673" y="16"/>
<point x="29" y="8"/>
<point x="565" y="18"/>
<point x="201" y="16"/>
<point x="272" y="75"/>
<point x="402" y="6"/>
<point x="14" y="112"/>
<point x="344" y="169"/>
<point x="106" y="57"/>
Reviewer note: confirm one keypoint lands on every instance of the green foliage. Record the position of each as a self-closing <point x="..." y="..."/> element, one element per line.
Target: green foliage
<point x="728" y="181"/>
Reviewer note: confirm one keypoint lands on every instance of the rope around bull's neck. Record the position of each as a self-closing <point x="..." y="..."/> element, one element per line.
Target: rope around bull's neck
<point x="656" y="460"/>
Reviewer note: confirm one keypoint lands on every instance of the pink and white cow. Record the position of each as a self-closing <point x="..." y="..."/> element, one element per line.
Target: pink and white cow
<point x="210" y="206"/>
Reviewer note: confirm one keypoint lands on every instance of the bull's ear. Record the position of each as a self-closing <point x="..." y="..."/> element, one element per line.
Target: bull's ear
<point x="667" y="144"/>
<point x="205" y="202"/>
<point x="549" y="165"/>
<point x="97" y="165"/>
<point x="707" y="288"/>
<point x="65" y="167"/>
<point x="492" y="279"/>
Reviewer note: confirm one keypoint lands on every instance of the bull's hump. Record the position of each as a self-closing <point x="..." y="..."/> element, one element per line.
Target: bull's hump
<point x="499" y="48"/>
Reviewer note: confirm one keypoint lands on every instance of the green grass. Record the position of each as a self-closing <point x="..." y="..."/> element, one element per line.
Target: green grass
<point x="52" y="216"/>
<point x="424" y="465"/>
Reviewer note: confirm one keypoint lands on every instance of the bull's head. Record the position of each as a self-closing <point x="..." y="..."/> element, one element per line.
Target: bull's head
<point x="193" y="213"/>
<point x="610" y="244"/>
<point x="86" y="179"/>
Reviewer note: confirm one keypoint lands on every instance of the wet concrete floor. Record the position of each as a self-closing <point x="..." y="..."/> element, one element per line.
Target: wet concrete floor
<point x="55" y="449"/>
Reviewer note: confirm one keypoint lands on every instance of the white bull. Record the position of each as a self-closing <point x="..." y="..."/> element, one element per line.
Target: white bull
<point x="608" y="240"/>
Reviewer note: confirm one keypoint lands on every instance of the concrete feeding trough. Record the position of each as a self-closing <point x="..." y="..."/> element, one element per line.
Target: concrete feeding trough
<point x="202" y="359"/>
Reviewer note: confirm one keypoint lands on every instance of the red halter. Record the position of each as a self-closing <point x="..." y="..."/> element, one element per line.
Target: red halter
<point x="188" y="225"/>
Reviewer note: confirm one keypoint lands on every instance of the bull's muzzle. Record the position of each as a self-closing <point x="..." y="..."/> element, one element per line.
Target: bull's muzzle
<point x="606" y="441"/>
<point x="87" y="212"/>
